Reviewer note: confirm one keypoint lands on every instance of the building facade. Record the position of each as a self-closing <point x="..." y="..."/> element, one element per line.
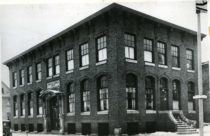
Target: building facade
<point x="206" y="104"/>
<point x="5" y="91"/>
<point x="118" y="70"/>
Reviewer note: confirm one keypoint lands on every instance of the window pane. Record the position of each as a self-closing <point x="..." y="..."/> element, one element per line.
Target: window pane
<point x="70" y="65"/>
<point x="102" y="54"/>
<point x="161" y="59"/>
<point x="147" y="56"/>
<point x="85" y="60"/>
<point x="126" y="52"/>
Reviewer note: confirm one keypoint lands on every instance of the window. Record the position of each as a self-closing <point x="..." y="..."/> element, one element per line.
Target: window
<point x="148" y="51"/>
<point x="131" y="91"/>
<point x="175" y="56"/>
<point x="176" y="94"/>
<point x="14" y="79"/>
<point x="49" y="67"/>
<point x="22" y="105"/>
<point x="30" y="104"/>
<point x="39" y="103"/>
<point x="53" y="66"/>
<point x="15" y="110"/>
<point x="85" y="96"/>
<point x="84" y="52"/>
<point x="190" y="63"/>
<point x="70" y="60"/>
<point x="38" y="71"/>
<point x="150" y="93"/>
<point x="191" y="93"/>
<point x="21" y="77"/>
<point x="161" y="53"/>
<point x="71" y="98"/>
<point x="103" y="93"/>
<point x="129" y="46"/>
<point x="57" y="65"/>
<point x="101" y="48"/>
<point x="163" y="94"/>
<point x="29" y="74"/>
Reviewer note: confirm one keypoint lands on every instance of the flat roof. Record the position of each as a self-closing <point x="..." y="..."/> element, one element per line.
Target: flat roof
<point x="87" y="19"/>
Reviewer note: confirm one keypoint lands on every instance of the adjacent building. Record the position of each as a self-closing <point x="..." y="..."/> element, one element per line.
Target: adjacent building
<point x="5" y="93"/>
<point x="118" y="70"/>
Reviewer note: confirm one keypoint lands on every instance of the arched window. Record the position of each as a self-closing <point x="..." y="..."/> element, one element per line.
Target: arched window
<point x="176" y="94"/>
<point x="131" y="91"/>
<point x="150" y="93"/>
<point x="85" y="95"/>
<point x="39" y="103"/>
<point x="71" y="98"/>
<point x="15" y="104"/>
<point x="163" y="94"/>
<point x="22" y="105"/>
<point x="103" y="93"/>
<point x="191" y="93"/>
<point x="30" y="104"/>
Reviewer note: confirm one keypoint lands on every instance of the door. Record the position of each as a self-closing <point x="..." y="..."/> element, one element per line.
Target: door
<point x="176" y="94"/>
<point x="163" y="94"/>
<point x="54" y="114"/>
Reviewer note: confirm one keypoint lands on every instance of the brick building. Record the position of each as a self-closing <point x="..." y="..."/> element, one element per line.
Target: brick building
<point x="5" y="94"/>
<point x="116" y="70"/>
<point x="206" y="104"/>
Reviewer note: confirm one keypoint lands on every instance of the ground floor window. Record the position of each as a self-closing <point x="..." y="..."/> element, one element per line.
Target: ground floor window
<point x="86" y="128"/>
<point x="150" y="93"/>
<point x="31" y="127"/>
<point x="191" y="93"/>
<point x="23" y="127"/>
<point x="132" y="128"/>
<point x="15" y="127"/>
<point x="103" y="129"/>
<point x="40" y="128"/>
<point x="71" y="128"/>
<point x="131" y="92"/>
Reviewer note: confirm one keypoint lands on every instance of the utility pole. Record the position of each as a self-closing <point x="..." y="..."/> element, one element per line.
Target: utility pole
<point x="201" y="6"/>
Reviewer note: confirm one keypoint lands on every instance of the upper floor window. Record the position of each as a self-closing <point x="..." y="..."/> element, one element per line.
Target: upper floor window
<point x="38" y="71"/>
<point x="22" y="77"/>
<point x="30" y="104"/>
<point x="22" y="105"/>
<point x="131" y="91"/>
<point x="148" y="50"/>
<point x="70" y="59"/>
<point x="190" y="61"/>
<point x="103" y="93"/>
<point x="15" y="109"/>
<point x="53" y="66"/>
<point x="14" y="79"/>
<point x="85" y="96"/>
<point x="84" y="52"/>
<point x="150" y="93"/>
<point x="161" y="53"/>
<point x="129" y="46"/>
<point x="71" y="98"/>
<point x="39" y="103"/>
<point x="101" y="48"/>
<point x="175" y="56"/>
<point x="29" y="74"/>
<point x="57" y="65"/>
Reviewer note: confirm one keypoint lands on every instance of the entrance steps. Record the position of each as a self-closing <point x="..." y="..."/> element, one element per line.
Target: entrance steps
<point x="183" y="125"/>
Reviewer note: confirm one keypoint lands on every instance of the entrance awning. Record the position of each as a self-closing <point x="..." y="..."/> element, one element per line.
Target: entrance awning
<point x="49" y="93"/>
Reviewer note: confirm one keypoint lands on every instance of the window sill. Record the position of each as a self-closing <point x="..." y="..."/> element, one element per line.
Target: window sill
<point x="162" y="66"/>
<point x="149" y="64"/>
<point x="192" y="111"/>
<point x="84" y="67"/>
<point x="150" y="111"/>
<point x="101" y="62"/>
<point x="15" y="117"/>
<point x="39" y="116"/>
<point x="102" y="112"/>
<point x="85" y="113"/>
<point x="15" y="87"/>
<point x="191" y="71"/>
<point x="70" y="114"/>
<point x="56" y="75"/>
<point x="176" y="68"/>
<point x="132" y="112"/>
<point x="21" y="85"/>
<point x="70" y="71"/>
<point x="38" y="81"/>
<point x="23" y="116"/>
<point x="29" y="83"/>
<point x="31" y="116"/>
<point x="49" y="77"/>
<point x="131" y="61"/>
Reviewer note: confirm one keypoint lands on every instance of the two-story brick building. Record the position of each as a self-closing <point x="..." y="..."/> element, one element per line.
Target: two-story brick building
<point x="116" y="70"/>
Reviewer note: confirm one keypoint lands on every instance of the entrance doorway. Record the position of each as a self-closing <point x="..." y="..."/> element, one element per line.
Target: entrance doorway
<point x="54" y="114"/>
<point x="176" y="94"/>
<point x="163" y="94"/>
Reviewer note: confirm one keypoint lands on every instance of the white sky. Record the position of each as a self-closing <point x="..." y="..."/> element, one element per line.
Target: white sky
<point x="25" y="23"/>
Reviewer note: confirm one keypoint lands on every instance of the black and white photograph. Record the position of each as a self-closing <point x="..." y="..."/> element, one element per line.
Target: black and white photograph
<point x="105" y="67"/>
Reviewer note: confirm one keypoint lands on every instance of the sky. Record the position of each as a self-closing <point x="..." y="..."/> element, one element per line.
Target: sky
<point x="25" y="23"/>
